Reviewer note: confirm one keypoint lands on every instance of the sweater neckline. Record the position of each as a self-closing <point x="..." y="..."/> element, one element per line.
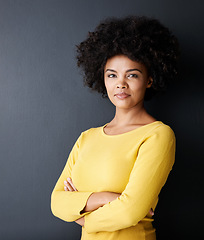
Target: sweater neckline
<point x="129" y="132"/>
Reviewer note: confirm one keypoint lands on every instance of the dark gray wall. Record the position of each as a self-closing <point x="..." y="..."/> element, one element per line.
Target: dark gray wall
<point x="44" y="107"/>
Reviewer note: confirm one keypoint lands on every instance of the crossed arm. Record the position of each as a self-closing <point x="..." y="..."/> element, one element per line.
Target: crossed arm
<point x="96" y="200"/>
<point x="154" y="161"/>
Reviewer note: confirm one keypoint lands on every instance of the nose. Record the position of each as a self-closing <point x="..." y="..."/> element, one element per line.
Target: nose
<point x="121" y="84"/>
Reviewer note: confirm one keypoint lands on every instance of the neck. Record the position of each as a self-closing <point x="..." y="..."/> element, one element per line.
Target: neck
<point x="124" y="117"/>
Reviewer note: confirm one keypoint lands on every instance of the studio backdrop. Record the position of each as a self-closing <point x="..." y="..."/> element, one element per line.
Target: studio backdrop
<point x="44" y="107"/>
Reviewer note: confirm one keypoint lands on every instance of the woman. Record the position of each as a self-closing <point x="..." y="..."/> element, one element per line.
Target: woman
<point x="114" y="173"/>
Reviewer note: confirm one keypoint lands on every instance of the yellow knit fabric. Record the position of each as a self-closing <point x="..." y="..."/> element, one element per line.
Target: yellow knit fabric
<point x="135" y="164"/>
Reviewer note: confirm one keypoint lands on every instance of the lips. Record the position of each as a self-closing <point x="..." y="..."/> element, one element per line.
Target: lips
<point x="122" y="95"/>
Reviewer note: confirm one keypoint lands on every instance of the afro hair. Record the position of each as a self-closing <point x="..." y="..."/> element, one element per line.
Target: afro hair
<point x="141" y="39"/>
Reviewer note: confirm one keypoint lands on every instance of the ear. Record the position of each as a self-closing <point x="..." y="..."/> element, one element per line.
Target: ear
<point x="149" y="82"/>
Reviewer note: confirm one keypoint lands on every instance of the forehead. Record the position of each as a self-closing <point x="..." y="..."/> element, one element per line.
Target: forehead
<point x="122" y="62"/>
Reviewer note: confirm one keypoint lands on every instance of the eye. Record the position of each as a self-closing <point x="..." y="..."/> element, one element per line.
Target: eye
<point x="133" y="75"/>
<point x="111" y="75"/>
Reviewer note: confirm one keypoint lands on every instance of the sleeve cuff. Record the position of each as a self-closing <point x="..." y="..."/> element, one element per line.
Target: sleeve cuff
<point x="68" y="205"/>
<point x="79" y="203"/>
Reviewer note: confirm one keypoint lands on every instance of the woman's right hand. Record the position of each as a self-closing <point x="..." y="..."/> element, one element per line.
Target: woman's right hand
<point x="151" y="212"/>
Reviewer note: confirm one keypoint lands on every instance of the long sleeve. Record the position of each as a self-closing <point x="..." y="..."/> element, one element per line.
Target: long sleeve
<point x="153" y="163"/>
<point x="64" y="204"/>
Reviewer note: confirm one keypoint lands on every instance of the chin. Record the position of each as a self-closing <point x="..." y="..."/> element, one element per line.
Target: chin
<point x="126" y="105"/>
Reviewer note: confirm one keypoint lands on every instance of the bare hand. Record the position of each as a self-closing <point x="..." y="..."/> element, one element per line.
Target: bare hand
<point x="107" y="197"/>
<point x="80" y="221"/>
<point x="151" y="212"/>
<point x="69" y="186"/>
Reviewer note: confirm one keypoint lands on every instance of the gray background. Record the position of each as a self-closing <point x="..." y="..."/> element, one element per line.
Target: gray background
<point x="44" y="107"/>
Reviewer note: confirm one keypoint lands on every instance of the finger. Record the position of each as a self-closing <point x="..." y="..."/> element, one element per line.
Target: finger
<point x="71" y="183"/>
<point x="69" y="187"/>
<point x="65" y="188"/>
<point x="69" y="180"/>
<point x="151" y="212"/>
<point x="67" y="184"/>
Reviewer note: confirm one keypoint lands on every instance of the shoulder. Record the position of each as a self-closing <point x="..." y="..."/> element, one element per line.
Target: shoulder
<point x="159" y="141"/>
<point x="91" y="132"/>
<point x="165" y="129"/>
<point x="162" y="132"/>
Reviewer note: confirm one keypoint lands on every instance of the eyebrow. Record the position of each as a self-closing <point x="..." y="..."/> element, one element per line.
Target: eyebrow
<point x="129" y="70"/>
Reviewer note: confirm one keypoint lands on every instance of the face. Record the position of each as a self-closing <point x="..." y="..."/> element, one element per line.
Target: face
<point x="126" y="81"/>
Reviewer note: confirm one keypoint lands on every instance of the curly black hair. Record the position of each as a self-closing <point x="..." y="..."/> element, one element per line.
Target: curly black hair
<point x="141" y="39"/>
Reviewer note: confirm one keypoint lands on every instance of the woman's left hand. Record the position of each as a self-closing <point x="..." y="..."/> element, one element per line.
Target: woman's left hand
<point x="69" y="186"/>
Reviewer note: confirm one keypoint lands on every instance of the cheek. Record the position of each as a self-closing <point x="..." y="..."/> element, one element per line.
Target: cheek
<point x="138" y="86"/>
<point x="110" y="91"/>
<point x="138" y="90"/>
<point x="108" y="86"/>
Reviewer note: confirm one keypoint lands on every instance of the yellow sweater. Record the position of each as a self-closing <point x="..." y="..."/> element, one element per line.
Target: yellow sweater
<point x="135" y="164"/>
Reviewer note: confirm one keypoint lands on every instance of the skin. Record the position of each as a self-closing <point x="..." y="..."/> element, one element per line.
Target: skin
<point x="121" y="75"/>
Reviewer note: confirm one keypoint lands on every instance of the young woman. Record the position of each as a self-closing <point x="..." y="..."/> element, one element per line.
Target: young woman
<point x="114" y="173"/>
